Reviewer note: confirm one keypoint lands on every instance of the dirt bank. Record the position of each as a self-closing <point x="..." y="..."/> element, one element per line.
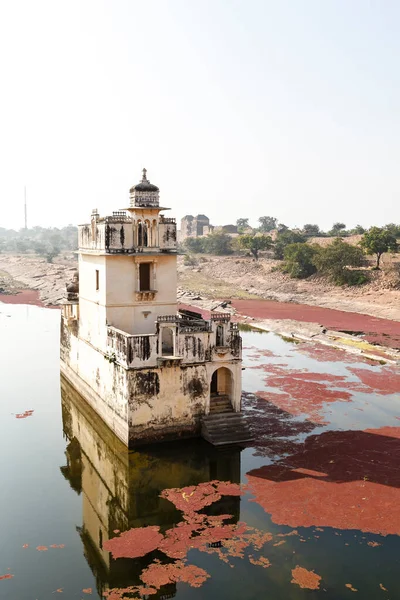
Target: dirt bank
<point x="245" y="278"/>
<point x="30" y="272"/>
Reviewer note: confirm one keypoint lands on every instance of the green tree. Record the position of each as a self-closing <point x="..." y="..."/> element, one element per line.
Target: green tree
<point x="195" y="245"/>
<point x="40" y="248"/>
<point x="358" y="230"/>
<point x="378" y="241"/>
<point x="393" y="228"/>
<point x="267" y="224"/>
<point x="218" y="244"/>
<point x="299" y="260"/>
<point x="284" y="239"/>
<point x="337" y="260"/>
<point x="255" y="243"/>
<point x="52" y="253"/>
<point x="311" y="230"/>
<point x="242" y="224"/>
<point x="338" y="229"/>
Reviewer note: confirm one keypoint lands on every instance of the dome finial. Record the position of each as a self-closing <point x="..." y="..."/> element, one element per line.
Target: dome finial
<point x="144" y="178"/>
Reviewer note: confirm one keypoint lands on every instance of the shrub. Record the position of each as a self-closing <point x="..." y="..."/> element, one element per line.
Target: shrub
<point x="284" y="239"/>
<point x="218" y="244"/>
<point x="337" y="259"/>
<point x="299" y="260"/>
<point x="195" y="245"/>
<point x="255" y="243"/>
<point x="189" y="260"/>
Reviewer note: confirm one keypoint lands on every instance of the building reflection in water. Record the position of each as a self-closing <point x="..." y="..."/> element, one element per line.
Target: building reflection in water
<point x="121" y="489"/>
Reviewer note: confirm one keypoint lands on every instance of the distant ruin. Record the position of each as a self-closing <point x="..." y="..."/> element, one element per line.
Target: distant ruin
<point x="198" y="226"/>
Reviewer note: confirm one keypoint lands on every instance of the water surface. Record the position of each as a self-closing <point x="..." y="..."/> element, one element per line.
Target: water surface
<point x="324" y="468"/>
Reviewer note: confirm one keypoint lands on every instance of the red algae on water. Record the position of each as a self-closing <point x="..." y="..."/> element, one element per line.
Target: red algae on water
<point x="350" y="587"/>
<point x="360" y="489"/>
<point x="135" y="542"/>
<point x="24" y="415"/>
<point x="305" y="578"/>
<point x="384" y="382"/>
<point x="391" y="432"/>
<point x="193" y="498"/>
<point x="262" y="561"/>
<point x="158" y="574"/>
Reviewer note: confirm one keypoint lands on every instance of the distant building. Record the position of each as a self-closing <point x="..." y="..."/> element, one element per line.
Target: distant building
<point x="193" y="226"/>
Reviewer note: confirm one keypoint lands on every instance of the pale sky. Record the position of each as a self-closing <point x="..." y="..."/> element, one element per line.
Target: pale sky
<point x="237" y="108"/>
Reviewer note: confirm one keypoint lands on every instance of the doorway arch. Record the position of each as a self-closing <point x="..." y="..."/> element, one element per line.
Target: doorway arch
<point x="221" y="388"/>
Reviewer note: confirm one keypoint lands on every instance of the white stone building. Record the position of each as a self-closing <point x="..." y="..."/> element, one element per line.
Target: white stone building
<point x="150" y="372"/>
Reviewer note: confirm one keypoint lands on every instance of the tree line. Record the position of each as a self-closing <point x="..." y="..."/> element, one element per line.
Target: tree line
<point x="338" y="229"/>
<point x="339" y="260"/>
<point x="45" y="241"/>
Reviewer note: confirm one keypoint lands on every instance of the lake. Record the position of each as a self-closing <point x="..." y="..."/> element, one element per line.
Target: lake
<point x="312" y="507"/>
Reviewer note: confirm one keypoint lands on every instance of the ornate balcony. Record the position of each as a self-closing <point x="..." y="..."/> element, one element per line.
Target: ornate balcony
<point x="146" y="296"/>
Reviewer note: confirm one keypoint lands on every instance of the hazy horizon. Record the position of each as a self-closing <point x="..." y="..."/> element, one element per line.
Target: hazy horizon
<point x="236" y="108"/>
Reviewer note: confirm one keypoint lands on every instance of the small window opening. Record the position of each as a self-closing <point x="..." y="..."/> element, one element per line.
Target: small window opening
<point x="144" y="277"/>
<point x="220" y="336"/>
<point x="97" y="279"/>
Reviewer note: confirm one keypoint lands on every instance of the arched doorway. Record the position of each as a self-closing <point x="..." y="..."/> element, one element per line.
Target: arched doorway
<point x="167" y="342"/>
<point x="221" y="390"/>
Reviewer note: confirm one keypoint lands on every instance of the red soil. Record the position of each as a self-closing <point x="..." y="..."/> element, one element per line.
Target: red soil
<point x="382" y="331"/>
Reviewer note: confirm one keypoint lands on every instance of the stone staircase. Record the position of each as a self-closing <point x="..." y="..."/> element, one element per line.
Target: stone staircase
<point x="220" y="404"/>
<point x="223" y="428"/>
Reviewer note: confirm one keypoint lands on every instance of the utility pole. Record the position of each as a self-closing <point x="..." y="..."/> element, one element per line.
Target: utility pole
<point x="25" y="211"/>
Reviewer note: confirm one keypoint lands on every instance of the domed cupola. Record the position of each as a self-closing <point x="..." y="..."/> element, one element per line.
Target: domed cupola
<point x="144" y="194"/>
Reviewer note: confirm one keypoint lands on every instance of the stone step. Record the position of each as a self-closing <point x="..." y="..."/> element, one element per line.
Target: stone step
<point x="214" y="418"/>
<point x="223" y="429"/>
<point x="220" y="409"/>
<point x="222" y="424"/>
<point x="215" y="401"/>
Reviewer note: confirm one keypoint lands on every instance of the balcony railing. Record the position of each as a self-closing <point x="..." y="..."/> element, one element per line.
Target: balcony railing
<point x="220" y="317"/>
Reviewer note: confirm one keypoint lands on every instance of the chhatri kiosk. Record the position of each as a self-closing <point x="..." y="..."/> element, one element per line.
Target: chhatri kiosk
<point x="150" y="371"/>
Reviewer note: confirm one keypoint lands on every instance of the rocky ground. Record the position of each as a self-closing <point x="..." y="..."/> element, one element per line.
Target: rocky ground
<point x="34" y="273"/>
<point x="220" y="278"/>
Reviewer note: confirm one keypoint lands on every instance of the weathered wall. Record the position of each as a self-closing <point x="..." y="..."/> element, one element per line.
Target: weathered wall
<point x="102" y="383"/>
<point x="168" y="402"/>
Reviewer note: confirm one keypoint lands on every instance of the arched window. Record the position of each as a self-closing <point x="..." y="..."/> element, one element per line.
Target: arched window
<point x="140" y="233"/>
<point x="146" y="234"/>
<point x="154" y="233"/>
